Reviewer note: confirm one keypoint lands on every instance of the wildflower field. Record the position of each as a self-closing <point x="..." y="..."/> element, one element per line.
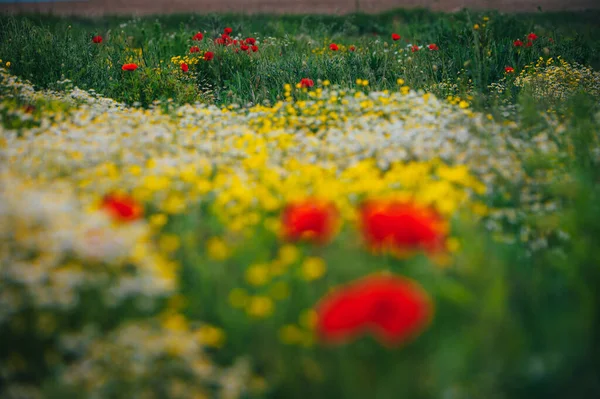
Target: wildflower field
<point x="404" y="205"/>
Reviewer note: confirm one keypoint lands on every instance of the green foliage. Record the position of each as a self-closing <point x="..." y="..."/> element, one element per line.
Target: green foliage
<point x="47" y="49"/>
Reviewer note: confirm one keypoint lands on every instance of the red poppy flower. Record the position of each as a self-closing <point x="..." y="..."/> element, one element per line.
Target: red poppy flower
<point x="402" y="227"/>
<point x="518" y="43"/>
<point x="352" y="48"/>
<point x="433" y="47"/>
<point x="333" y="47"/>
<point x="254" y="48"/>
<point x="244" y="47"/>
<point x="122" y="207"/>
<point x="251" y="41"/>
<point x="392" y="308"/>
<point x="97" y="39"/>
<point x="306" y="82"/>
<point x="209" y="55"/>
<point x="396" y="37"/>
<point x="194" y="49"/>
<point x="529" y="43"/>
<point x="414" y="48"/>
<point x="311" y="220"/>
<point x="220" y="41"/>
<point x="227" y="31"/>
<point x="198" y="36"/>
<point x="129" y="67"/>
<point x="185" y="67"/>
<point x="509" y="69"/>
<point x="532" y="36"/>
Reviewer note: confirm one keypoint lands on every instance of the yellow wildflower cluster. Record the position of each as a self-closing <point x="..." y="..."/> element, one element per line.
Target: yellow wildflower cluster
<point x="556" y="79"/>
<point x="187" y="59"/>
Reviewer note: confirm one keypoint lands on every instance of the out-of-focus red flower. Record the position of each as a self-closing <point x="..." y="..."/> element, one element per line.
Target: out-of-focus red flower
<point x="551" y="40"/>
<point x="532" y="36"/>
<point x="244" y="47"/>
<point x="251" y="41"/>
<point x="352" y="48"/>
<point x="529" y="43"/>
<point x="393" y="309"/>
<point x="306" y="82"/>
<point x="97" y="39"/>
<point x="194" y="49"/>
<point x="433" y="47"/>
<point x="122" y="207"/>
<point x="198" y="36"/>
<point x="509" y="69"/>
<point x="209" y="55"/>
<point x="414" y="48"/>
<point x="220" y="41"/>
<point x="235" y="42"/>
<point x="129" y="67"/>
<point x="254" y="48"/>
<point x="333" y="47"/>
<point x="227" y="31"/>
<point x="402" y="227"/>
<point x="518" y="43"/>
<point x="185" y="67"/>
<point x="396" y="37"/>
<point x="312" y="220"/>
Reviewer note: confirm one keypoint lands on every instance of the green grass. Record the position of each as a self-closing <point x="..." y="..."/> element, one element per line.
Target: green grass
<point x="48" y="49"/>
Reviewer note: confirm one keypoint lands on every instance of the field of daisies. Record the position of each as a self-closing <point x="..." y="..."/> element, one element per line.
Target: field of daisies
<point x="404" y="205"/>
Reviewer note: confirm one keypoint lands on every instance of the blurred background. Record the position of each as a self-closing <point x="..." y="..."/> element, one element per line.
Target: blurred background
<point x="103" y="7"/>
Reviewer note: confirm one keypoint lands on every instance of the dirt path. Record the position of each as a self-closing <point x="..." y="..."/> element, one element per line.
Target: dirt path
<point x="141" y="7"/>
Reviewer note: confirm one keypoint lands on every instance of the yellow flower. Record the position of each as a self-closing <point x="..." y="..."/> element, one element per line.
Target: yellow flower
<point x="476" y="26"/>
<point x="453" y="244"/>
<point x="308" y="319"/>
<point x="313" y="268"/>
<point x="211" y="336"/>
<point x="217" y="249"/>
<point x="169" y="243"/>
<point x="365" y="82"/>
<point x="238" y="298"/>
<point x="326" y="83"/>
<point x="290" y="334"/>
<point x="359" y="82"/>
<point x="463" y="104"/>
<point x="486" y="19"/>
<point x="175" y="322"/>
<point x="8" y="64"/>
<point x="158" y="220"/>
<point x="174" y="204"/>
<point x="260" y="307"/>
<point x="257" y="274"/>
<point x="288" y="254"/>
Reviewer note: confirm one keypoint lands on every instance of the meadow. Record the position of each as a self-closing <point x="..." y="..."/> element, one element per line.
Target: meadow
<point x="228" y="206"/>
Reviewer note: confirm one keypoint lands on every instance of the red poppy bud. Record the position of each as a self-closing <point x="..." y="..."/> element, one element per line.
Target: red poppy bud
<point x="129" y="67"/>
